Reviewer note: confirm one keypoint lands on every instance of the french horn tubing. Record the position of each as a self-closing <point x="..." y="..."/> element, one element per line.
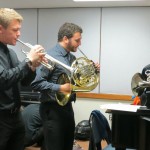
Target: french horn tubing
<point x="83" y="75"/>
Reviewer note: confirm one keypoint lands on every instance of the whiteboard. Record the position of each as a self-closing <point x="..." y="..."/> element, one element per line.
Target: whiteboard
<point x="125" y="47"/>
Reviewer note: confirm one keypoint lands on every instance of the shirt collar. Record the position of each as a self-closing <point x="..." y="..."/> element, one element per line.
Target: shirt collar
<point x="62" y="50"/>
<point x="4" y="47"/>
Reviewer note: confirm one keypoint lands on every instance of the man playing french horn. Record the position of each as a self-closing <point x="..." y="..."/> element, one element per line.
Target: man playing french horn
<point x="57" y="116"/>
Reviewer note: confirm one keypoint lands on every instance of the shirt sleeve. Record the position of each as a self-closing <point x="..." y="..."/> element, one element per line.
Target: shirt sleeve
<point x="41" y="81"/>
<point x="9" y="77"/>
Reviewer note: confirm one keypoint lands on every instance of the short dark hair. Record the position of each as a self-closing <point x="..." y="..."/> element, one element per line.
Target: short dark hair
<point x="68" y="30"/>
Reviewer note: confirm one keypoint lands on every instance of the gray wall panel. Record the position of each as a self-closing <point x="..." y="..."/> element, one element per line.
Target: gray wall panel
<point x="125" y="47"/>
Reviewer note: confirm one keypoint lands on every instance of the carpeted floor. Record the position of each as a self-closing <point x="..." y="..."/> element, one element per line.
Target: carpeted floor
<point x="85" y="144"/>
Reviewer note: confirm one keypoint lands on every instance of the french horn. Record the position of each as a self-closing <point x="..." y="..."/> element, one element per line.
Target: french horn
<point x="138" y="84"/>
<point x="83" y="77"/>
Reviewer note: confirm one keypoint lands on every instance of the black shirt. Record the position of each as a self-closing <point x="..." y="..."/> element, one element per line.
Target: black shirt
<point x="12" y="73"/>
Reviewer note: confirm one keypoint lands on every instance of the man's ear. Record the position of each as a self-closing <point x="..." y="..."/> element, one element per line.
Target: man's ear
<point x="65" y="39"/>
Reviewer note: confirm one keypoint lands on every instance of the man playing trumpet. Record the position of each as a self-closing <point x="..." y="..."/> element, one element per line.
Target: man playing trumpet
<point x="13" y="73"/>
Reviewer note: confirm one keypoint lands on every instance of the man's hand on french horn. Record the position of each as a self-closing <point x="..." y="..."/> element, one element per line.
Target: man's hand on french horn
<point x="66" y="88"/>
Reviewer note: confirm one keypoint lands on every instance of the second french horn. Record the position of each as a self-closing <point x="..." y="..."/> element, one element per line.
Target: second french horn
<point x="138" y="84"/>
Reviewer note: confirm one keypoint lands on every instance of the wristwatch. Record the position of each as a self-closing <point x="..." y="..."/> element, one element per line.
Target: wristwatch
<point x="28" y="61"/>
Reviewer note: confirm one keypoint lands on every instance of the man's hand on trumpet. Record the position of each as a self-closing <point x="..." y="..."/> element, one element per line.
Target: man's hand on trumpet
<point x="36" y="56"/>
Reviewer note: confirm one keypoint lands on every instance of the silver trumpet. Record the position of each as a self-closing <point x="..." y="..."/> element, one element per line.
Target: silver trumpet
<point x="46" y="56"/>
<point x="83" y="75"/>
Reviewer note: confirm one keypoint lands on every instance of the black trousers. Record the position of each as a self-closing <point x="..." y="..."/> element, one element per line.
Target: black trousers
<point x="59" y="125"/>
<point x="29" y="142"/>
<point x="12" y="131"/>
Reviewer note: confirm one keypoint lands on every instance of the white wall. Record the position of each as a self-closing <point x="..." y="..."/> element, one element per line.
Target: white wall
<point x="83" y="107"/>
<point x="125" y="47"/>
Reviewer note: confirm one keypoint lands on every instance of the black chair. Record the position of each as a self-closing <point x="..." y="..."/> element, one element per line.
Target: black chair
<point x="100" y="130"/>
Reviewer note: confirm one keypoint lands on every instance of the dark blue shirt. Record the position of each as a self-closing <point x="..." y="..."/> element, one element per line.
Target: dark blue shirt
<point x="46" y="79"/>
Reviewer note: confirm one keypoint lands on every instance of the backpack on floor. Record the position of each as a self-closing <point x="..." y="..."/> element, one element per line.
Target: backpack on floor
<point x="82" y="130"/>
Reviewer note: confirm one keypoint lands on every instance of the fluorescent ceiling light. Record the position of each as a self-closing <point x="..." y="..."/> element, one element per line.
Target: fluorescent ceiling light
<point x="102" y="0"/>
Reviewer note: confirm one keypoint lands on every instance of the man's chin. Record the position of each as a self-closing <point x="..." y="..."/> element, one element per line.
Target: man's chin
<point x="74" y="50"/>
<point x="13" y="44"/>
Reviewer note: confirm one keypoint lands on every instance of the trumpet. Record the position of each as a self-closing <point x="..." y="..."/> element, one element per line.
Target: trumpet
<point x="48" y="57"/>
<point x="83" y="75"/>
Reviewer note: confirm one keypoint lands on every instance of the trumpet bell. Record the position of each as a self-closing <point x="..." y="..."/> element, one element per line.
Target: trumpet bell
<point x="135" y="84"/>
